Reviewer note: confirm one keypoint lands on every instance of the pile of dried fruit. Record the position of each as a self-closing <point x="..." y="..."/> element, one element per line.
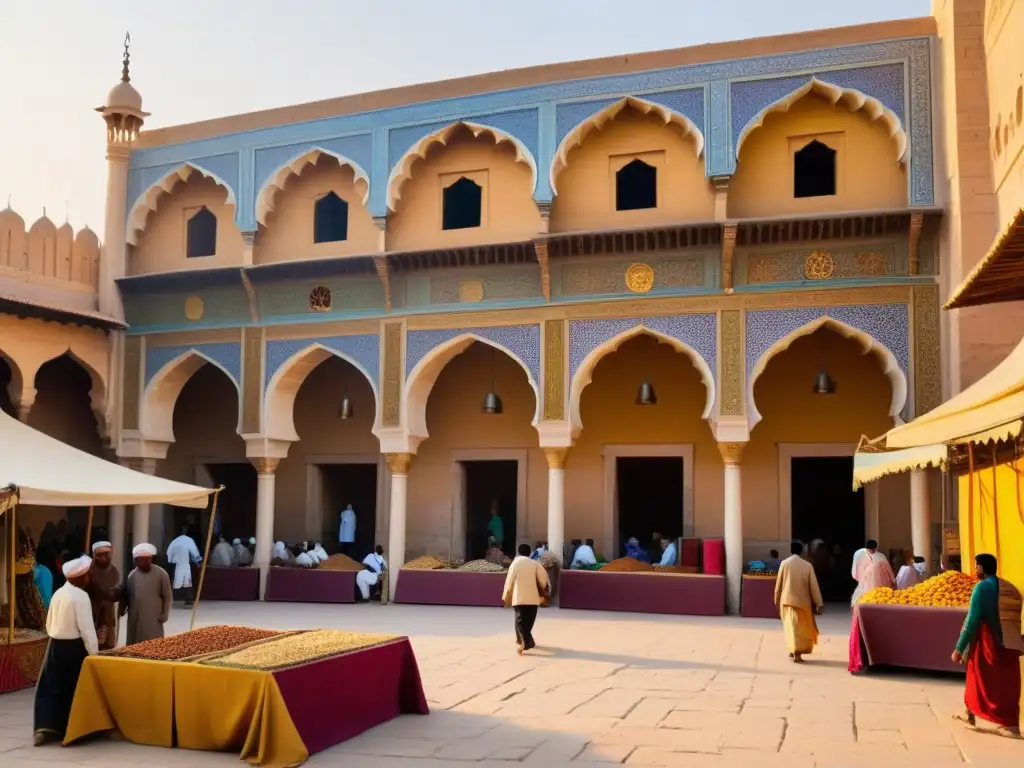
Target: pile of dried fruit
<point x="194" y="643"/>
<point x="425" y="563"/>
<point x="950" y="589"/>
<point x="452" y="565"/>
<point x="626" y="565"/>
<point x="341" y="562"/>
<point x="297" y="649"/>
<point x="481" y="566"/>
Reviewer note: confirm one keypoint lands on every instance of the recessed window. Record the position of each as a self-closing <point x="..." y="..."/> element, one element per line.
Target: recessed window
<point x="814" y="171"/>
<point x="462" y="202"/>
<point x="330" y="219"/>
<point x="202" y="234"/>
<point x="636" y="186"/>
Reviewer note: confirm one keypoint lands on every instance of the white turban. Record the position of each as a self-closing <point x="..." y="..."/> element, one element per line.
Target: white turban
<point x="102" y="545"/>
<point x="236" y="542"/>
<point x="77" y="567"/>
<point x="252" y="539"/>
<point x="143" y="549"/>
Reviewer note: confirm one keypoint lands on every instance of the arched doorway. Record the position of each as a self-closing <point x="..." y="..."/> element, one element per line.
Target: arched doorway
<point x="474" y="461"/>
<point x="636" y="470"/>
<point x="6" y="376"/>
<point x="798" y="465"/>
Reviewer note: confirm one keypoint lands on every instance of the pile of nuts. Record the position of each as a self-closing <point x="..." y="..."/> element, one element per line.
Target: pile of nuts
<point x="340" y="562"/>
<point x="626" y="565"/>
<point x="197" y="642"/>
<point x="673" y="569"/>
<point x="950" y="589"/>
<point x="481" y="566"/>
<point x="425" y="563"/>
<point x="297" y="649"/>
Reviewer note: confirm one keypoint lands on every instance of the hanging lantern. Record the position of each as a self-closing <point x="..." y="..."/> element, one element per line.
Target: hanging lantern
<point x="823" y="384"/>
<point x="345" y="408"/>
<point x="646" y="396"/>
<point x="492" y="403"/>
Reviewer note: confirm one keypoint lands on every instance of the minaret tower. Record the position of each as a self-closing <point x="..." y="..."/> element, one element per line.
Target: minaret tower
<point x="124" y="117"/>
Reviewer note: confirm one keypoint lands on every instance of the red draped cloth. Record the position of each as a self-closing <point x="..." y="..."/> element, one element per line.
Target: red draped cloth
<point x="993" y="681"/>
<point x="856" y="663"/>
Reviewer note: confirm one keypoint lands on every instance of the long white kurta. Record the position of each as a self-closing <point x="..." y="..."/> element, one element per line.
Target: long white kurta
<point x="366" y="579"/>
<point x="347" y="528"/>
<point x="181" y="554"/>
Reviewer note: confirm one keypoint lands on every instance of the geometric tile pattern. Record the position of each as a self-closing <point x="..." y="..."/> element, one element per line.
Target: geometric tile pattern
<point x="363" y="349"/>
<point x="227" y="354"/>
<point x="522" y="341"/>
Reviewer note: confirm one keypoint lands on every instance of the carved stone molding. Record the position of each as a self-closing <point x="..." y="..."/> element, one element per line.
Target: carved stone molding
<point x="554" y="370"/>
<point x="384" y="273"/>
<point x="914" y="240"/>
<point x="556" y="457"/>
<point x="398" y="463"/>
<point x="732" y="356"/>
<point x="732" y="453"/>
<point x="927" y="349"/>
<point x="728" y="254"/>
<point x="391" y="400"/>
<point x="131" y="393"/>
<point x="252" y="379"/>
<point x="541" y="248"/>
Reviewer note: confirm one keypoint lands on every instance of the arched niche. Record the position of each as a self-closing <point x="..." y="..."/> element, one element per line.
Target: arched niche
<point x="161" y="394"/>
<point x="12" y="381"/>
<point x="887" y="362"/>
<point x="585" y="372"/>
<point x="284" y="385"/>
<point x="69" y="402"/>
<point x="148" y="201"/>
<point x="423" y="376"/>
<point x="277" y="180"/>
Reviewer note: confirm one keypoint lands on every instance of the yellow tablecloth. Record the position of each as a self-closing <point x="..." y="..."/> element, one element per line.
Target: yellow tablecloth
<point x="166" y="704"/>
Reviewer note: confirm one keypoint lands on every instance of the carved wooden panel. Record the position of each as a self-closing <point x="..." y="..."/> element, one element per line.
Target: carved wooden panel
<point x="732" y="356"/>
<point x="927" y="349"/>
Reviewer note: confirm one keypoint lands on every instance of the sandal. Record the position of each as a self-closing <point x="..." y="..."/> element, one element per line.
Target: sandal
<point x="966" y="718"/>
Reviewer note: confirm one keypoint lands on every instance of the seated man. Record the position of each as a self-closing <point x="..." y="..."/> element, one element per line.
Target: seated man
<point x="540" y="550"/>
<point x="584" y="555"/>
<point x="668" y="552"/>
<point x="223" y="555"/>
<point x="242" y="554"/>
<point x="773" y="562"/>
<point x="302" y="557"/>
<point x="374" y="566"/>
<point x="634" y="550"/>
<point x="912" y="573"/>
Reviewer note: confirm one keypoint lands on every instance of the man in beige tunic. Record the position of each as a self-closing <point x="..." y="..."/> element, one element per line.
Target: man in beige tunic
<point x="148" y="597"/>
<point x="798" y="598"/>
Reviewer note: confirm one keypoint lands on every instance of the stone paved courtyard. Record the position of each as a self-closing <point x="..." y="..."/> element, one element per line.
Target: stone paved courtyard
<point x="602" y="689"/>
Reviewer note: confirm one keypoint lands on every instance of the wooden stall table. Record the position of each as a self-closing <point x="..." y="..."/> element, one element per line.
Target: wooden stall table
<point x="221" y="583"/>
<point x="309" y="585"/>
<point x="757" y="599"/>
<point x="21" y="662"/>
<point x="447" y="587"/>
<point x="680" y="594"/>
<point x="909" y="636"/>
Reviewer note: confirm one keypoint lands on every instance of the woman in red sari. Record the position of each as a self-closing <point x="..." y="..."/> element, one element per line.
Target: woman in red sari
<point x="993" y="669"/>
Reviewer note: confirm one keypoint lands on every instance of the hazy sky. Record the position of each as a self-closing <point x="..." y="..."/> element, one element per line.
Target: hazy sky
<point x="196" y="59"/>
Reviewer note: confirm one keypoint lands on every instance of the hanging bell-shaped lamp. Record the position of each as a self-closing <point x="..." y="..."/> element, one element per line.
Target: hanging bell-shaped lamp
<point x="645" y="395"/>
<point x="492" y="403"/>
<point x="824" y="384"/>
<point x="345" y="408"/>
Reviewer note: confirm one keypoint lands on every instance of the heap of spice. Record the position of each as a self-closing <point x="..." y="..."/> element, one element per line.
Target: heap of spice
<point x="626" y="565"/>
<point x="297" y="649"/>
<point x="341" y="562"/>
<point x="197" y="642"/>
<point x="425" y="563"/>
<point x="481" y="566"/>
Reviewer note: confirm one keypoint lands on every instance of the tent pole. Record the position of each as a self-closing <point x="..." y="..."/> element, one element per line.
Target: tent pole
<point x="11" y="606"/>
<point x="206" y="556"/>
<point x="88" y="530"/>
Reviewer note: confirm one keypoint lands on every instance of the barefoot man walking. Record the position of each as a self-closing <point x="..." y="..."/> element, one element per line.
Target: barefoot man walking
<point x="798" y="598"/>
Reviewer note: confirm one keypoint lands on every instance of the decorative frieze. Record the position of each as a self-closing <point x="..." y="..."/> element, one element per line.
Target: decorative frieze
<point x="820" y="263"/>
<point x="554" y="370"/>
<point x="391" y="401"/>
<point x="927" y="349"/>
<point x="604" y="277"/>
<point x="130" y="382"/>
<point x="252" y="381"/>
<point x="731" y="374"/>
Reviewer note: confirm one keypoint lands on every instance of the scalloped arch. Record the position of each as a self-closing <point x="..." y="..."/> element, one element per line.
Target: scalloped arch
<point x="890" y="366"/>
<point x="402" y="171"/>
<point x="597" y="120"/>
<point x="857" y="101"/>
<point x="161" y="393"/>
<point x="147" y="201"/>
<point x="275" y="182"/>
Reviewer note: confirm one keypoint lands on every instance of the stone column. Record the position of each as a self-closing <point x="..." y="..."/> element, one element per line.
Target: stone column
<point x="556" y="498"/>
<point x="140" y="512"/>
<point x="112" y="260"/>
<point x="921" y="514"/>
<point x="398" y="463"/>
<point x="732" y="454"/>
<point x="265" y="489"/>
<point x="116" y="530"/>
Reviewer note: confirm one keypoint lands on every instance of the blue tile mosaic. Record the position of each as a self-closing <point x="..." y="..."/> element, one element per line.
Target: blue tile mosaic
<point x="522" y="341"/>
<point x="358" y="149"/>
<point x="227" y="354"/>
<point x="568" y="116"/>
<point x="697" y="331"/>
<point x="224" y="167"/>
<point x="688" y="102"/>
<point x="361" y="349"/>
<point x="888" y="324"/>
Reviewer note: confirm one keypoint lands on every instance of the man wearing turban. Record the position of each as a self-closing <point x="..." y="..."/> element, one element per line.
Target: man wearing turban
<point x="148" y="597"/>
<point x="104" y="590"/>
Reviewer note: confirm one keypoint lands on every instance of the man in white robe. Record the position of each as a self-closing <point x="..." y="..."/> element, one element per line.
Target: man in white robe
<point x="374" y="566"/>
<point x="668" y="552"/>
<point x="181" y="554"/>
<point x="242" y="554"/>
<point x="223" y="555"/>
<point x="303" y="559"/>
<point x="912" y="574"/>
<point x="347" y="530"/>
<point x="319" y="552"/>
<point x="584" y="555"/>
<point x="863" y="558"/>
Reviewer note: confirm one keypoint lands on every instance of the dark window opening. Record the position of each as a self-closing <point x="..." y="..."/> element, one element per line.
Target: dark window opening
<point x="490" y="485"/>
<point x="636" y="187"/>
<point x="330" y="219"/>
<point x="202" y="234"/>
<point x="650" y="501"/>
<point x="814" y="171"/>
<point x="462" y="203"/>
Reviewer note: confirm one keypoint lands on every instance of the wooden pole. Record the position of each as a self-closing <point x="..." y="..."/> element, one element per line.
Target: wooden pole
<point x="11" y="606"/>
<point x="88" y="531"/>
<point x="206" y="556"/>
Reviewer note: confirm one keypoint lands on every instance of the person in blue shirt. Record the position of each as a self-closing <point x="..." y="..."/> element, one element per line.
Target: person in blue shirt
<point x="634" y="550"/>
<point x="44" y="583"/>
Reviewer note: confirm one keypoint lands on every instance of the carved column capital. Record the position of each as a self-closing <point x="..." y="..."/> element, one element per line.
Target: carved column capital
<point x="732" y="453"/>
<point x="556" y="457"/>
<point x="398" y="463"/>
<point x="265" y="465"/>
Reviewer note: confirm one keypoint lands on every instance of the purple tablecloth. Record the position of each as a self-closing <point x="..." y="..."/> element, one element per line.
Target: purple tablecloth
<point x="678" y="594"/>
<point x="301" y="585"/>
<point x="229" y="583"/>
<point x="909" y="636"/>
<point x="758" y="598"/>
<point x="442" y="587"/>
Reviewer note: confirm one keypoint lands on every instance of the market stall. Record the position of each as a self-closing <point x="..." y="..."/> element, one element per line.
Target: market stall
<point x="275" y="698"/>
<point x="908" y="636"/>
<point x="682" y="594"/>
<point x="757" y="599"/>
<point x="310" y="585"/>
<point x="450" y="587"/>
<point x="237" y="583"/>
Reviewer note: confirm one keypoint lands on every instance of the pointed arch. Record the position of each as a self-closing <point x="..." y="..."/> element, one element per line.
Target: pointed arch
<point x="420" y="381"/>
<point x="585" y="372"/>
<point x="147" y="201"/>
<point x="156" y="420"/>
<point x="597" y="120"/>
<point x="855" y="100"/>
<point x="287" y="380"/>
<point x="97" y="392"/>
<point x="887" y="360"/>
<point x="267" y="193"/>
<point x="403" y="168"/>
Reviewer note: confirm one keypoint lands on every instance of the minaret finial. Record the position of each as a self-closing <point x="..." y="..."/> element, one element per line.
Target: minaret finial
<point x="125" y="77"/>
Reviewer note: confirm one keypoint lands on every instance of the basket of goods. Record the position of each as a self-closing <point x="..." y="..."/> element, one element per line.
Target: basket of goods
<point x="197" y="642"/>
<point x="341" y="562"/>
<point x="481" y="566"/>
<point x="297" y="649"/>
<point x="626" y="565"/>
<point x="950" y="589"/>
<point x="425" y="563"/>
